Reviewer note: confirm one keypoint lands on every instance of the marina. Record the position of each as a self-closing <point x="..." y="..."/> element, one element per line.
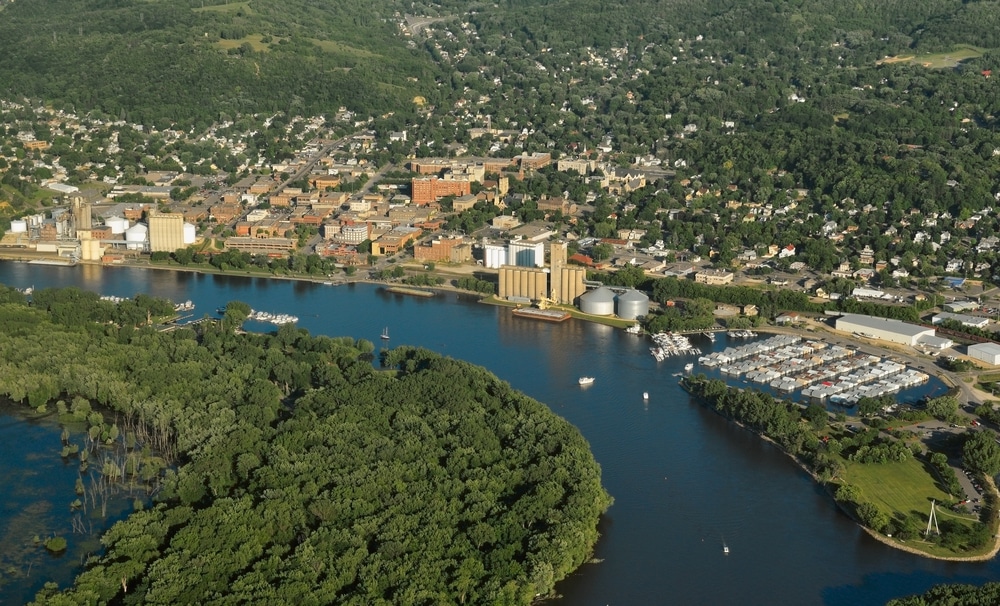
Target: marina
<point x="279" y="319"/>
<point x="672" y="344"/>
<point x="822" y="372"/>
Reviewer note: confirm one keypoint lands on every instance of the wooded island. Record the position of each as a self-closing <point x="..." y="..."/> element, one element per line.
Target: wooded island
<point x="302" y="473"/>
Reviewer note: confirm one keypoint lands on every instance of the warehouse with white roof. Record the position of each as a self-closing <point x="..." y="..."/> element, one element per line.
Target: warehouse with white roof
<point x="886" y="329"/>
<point x="985" y="352"/>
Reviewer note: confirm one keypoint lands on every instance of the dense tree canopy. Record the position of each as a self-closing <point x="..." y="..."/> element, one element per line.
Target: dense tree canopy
<point x="305" y="475"/>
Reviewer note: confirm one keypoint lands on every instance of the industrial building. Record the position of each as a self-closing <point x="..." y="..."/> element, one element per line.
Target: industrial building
<point x="526" y="254"/>
<point x="565" y="281"/>
<point x="960" y="306"/>
<point x="166" y="231"/>
<point x="494" y="256"/>
<point x="985" y="352"/>
<point x="523" y="283"/>
<point x="965" y="320"/>
<point x="894" y="331"/>
<point x="598" y="302"/>
<point x="632" y="304"/>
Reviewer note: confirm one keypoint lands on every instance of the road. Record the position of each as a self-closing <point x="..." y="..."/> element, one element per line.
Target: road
<point x="306" y="168"/>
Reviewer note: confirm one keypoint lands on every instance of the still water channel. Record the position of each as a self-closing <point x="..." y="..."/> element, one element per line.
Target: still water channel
<point x="684" y="480"/>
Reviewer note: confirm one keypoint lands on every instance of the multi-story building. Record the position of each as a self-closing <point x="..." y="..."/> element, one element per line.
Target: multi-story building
<point x="714" y="277"/>
<point x="427" y="190"/>
<point x="452" y="249"/>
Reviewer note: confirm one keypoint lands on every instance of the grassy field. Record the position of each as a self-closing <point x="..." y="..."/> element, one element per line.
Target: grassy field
<point x="233" y="7"/>
<point x="906" y="487"/>
<point x="944" y="60"/>
<point x="905" y="490"/>
<point x="253" y="39"/>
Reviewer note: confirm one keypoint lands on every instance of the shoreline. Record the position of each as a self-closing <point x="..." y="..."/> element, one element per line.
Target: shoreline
<point x="881" y="538"/>
<point x="610" y="321"/>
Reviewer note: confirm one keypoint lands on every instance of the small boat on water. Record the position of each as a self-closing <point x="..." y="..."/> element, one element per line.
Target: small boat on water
<point x="689" y="366"/>
<point x="385" y="333"/>
<point x="725" y="549"/>
<point x="645" y="395"/>
<point x="586" y="380"/>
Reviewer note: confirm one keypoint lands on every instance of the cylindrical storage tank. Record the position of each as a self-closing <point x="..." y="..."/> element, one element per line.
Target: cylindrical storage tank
<point x="135" y="237"/>
<point x="632" y="304"/>
<point x="118" y="225"/>
<point x="190" y="233"/>
<point x="598" y="302"/>
<point x="18" y="226"/>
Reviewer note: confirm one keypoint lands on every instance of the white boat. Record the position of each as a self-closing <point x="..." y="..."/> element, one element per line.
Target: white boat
<point x="689" y="367"/>
<point x="385" y="333"/>
<point x="586" y="380"/>
<point x="635" y="329"/>
<point x="645" y="395"/>
<point x="725" y="549"/>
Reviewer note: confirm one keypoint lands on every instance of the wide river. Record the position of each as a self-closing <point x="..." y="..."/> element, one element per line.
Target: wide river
<point x="685" y="481"/>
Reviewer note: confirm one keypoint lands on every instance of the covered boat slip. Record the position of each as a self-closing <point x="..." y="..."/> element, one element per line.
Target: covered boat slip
<point x="841" y="374"/>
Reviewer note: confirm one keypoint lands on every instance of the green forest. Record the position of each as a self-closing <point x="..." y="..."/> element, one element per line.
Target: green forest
<point x="307" y="469"/>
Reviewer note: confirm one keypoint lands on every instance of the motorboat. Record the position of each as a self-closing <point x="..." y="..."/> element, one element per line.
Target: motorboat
<point x="586" y="380"/>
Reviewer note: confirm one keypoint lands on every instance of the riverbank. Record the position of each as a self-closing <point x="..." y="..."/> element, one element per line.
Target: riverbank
<point x="828" y="488"/>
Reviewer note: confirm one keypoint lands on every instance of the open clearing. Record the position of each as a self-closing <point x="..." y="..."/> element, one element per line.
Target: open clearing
<point x="905" y="487"/>
<point x="253" y="39"/>
<point x="243" y="7"/>
<point x="945" y="60"/>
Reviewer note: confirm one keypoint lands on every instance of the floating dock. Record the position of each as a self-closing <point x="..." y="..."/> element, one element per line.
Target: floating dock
<point x="548" y="315"/>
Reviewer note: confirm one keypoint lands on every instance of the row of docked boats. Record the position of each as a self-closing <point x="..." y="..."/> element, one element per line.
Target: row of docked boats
<point x="741" y="334"/>
<point x="185" y="306"/>
<point x="264" y="316"/>
<point x="671" y="344"/>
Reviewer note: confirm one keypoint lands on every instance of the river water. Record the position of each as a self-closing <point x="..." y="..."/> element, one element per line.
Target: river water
<point x="685" y="481"/>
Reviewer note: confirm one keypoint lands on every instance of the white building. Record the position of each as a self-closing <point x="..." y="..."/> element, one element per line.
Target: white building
<point x="973" y="321"/>
<point x="894" y="331"/>
<point x="985" y="352"/>
<point x="495" y="256"/>
<point x="526" y="254"/>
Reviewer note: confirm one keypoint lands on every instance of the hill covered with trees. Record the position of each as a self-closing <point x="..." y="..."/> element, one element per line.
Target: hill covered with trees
<point x="303" y="474"/>
<point x="192" y="62"/>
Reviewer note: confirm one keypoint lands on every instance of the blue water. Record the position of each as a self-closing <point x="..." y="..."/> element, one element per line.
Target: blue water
<point x="684" y="480"/>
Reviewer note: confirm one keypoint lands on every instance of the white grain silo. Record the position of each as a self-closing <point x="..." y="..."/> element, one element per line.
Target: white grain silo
<point x="18" y="226"/>
<point x="118" y="225"/>
<point x="190" y="234"/>
<point x="135" y="237"/>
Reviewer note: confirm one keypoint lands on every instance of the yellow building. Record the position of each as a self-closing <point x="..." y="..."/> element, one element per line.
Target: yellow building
<point x="566" y="281"/>
<point x="523" y="283"/>
<point x="166" y="231"/>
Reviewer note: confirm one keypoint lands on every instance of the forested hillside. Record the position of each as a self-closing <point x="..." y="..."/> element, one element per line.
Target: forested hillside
<point x="304" y="474"/>
<point x="195" y="62"/>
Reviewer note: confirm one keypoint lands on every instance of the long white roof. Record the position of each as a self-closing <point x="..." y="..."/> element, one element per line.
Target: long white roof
<point x="896" y="326"/>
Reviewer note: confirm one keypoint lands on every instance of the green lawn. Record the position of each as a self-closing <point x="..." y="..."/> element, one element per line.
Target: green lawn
<point x="896" y="487"/>
<point x="907" y="489"/>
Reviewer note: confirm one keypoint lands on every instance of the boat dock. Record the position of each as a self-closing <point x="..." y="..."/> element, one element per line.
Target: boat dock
<point x="548" y="315"/>
<point x="672" y="344"/>
<point x="822" y="372"/>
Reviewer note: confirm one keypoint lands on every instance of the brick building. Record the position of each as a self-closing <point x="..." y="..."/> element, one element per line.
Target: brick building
<point x="426" y="190"/>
